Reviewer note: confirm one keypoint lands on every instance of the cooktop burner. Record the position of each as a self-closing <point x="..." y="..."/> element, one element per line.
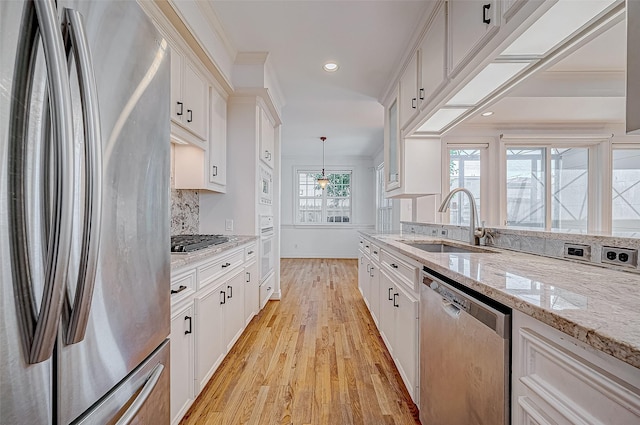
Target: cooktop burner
<point x="190" y="243"/>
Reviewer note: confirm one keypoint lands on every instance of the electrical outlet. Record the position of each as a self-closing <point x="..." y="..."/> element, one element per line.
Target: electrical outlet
<point x="444" y="233"/>
<point x="228" y="225"/>
<point x="577" y="252"/>
<point x="620" y="256"/>
<point x="434" y="232"/>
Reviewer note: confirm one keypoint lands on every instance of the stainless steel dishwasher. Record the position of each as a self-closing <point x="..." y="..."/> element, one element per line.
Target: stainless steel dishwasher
<point x="465" y="348"/>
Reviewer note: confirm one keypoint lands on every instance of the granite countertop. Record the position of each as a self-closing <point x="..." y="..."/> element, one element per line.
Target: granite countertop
<point x="598" y="306"/>
<point x="180" y="260"/>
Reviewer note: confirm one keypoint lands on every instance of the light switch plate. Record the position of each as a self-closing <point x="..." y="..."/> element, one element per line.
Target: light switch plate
<point x="228" y="225"/>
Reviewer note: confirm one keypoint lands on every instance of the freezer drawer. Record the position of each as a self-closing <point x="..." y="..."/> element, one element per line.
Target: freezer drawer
<point x="142" y="398"/>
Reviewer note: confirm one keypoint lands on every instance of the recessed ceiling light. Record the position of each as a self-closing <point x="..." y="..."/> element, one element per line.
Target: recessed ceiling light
<point x="487" y="114"/>
<point x="330" y="67"/>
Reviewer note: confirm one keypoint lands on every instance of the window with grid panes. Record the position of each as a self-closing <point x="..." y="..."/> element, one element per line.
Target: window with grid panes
<point x="318" y="206"/>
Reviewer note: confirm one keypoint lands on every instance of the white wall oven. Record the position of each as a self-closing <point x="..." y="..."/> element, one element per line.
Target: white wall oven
<point x="267" y="248"/>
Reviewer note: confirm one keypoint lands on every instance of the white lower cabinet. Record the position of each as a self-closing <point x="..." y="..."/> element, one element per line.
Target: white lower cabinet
<point x="233" y="308"/>
<point x="557" y="379"/>
<point x="212" y="301"/>
<point x="210" y="336"/>
<point x="182" y="356"/>
<point x="406" y="338"/>
<point x="388" y="282"/>
<point x="251" y="291"/>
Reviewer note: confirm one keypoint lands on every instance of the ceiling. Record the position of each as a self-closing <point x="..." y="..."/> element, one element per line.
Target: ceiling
<point x="366" y="38"/>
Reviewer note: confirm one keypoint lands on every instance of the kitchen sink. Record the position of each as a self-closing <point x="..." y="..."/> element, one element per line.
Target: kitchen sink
<point x="448" y="248"/>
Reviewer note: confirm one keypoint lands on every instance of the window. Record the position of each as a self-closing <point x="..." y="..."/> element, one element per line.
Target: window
<point x="317" y="206"/>
<point x="562" y="205"/>
<point x="464" y="171"/>
<point x="384" y="205"/>
<point x="625" y="209"/>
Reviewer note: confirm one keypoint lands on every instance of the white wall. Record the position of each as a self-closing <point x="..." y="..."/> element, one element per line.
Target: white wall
<point x="327" y="241"/>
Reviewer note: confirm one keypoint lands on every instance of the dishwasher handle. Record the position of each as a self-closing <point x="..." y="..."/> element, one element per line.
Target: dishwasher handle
<point x="455" y="300"/>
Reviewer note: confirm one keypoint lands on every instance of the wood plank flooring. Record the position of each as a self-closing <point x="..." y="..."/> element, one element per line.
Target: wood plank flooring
<point x="314" y="357"/>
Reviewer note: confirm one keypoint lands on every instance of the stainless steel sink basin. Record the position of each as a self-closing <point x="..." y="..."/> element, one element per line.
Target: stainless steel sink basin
<point x="448" y="248"/>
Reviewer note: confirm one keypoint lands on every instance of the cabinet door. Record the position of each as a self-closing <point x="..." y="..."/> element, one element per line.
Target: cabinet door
<point x="182" y="362"/>
<point x="196" y="102"/>
<point x="392" y="148"/>
<point x="267" y="139"/>
<point x="251" y="292"/>
<point x="471" y="24"/>
<point x="234" y="309"/>
<point x="409" y="92"/>
<point x="210" y="346"/>
<point x="433" y="65"/>
<point x="406" y="342"/>
<point x="363" y="273"/>
<point x="374" y="293"/>
<point x="386" y="321"/>
<point x="177" y="102"/>
<point x="218" y="140"/>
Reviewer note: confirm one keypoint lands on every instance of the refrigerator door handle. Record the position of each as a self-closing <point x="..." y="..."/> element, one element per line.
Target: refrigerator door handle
<point x="76" y="317"/>
<point x="39" y="328"/>
<point x="144" y="394"/>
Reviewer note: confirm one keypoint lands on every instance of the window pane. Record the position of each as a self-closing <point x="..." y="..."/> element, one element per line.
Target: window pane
<point x="464" y="171"/>
<point x="332" y="204"/>
<point x="526" y="187"/>
<point x="626" y="192"/>
<point x="569" y="188"/>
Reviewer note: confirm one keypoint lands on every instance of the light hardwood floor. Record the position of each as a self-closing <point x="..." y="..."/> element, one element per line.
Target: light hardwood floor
<point x="314" y="357"/>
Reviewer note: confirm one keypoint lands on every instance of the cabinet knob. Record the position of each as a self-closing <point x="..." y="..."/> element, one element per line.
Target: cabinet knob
<point x="230" y="288"/>
<point x="224" y="297"/>
<point x="248" y="277"/>
<point x="395" y="266"/>
<point x="485" y="17"/>
<point x="394" y="300"/>
<point x="181" y="106"/>
<point x="225" y="265"/>
<point x="414" y="102"/>
<point x="214" y="170"/>
<point x="421" y="94"/>
<point x="190" y="112"/>
<point x="390" y="289"/>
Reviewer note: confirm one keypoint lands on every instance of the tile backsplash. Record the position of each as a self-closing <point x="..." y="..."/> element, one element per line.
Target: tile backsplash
<point x="548" y="244"/>
<point x="185" y="210"/>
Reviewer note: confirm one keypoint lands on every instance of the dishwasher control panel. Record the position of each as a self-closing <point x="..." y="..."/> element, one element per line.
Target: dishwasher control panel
<point x="460" y="302"/>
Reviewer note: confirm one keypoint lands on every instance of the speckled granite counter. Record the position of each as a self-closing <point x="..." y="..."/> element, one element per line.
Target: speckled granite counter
<point x="180" y="260"/>
<point x="597" y="306"/>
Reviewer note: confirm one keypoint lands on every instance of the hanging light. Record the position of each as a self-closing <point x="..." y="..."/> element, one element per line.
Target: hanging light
<point x="323" y="181"/>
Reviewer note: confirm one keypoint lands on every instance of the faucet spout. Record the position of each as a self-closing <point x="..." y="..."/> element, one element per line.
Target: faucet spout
<point x="474" y="233"/>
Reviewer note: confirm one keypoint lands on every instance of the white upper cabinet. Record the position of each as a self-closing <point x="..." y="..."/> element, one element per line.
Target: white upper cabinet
<point x="189" y="99"/>
<point x="472" y="23"/>
<point x="217" y="166"/>
<point x="267" y="139"/>
<point x="409" y="92"/>
<point x="433" y="54"/>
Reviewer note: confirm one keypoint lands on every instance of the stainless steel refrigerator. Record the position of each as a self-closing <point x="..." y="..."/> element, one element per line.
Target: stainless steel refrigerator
<point x="84" y="226"/>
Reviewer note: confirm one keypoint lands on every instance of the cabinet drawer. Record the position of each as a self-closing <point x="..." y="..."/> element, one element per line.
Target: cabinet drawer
<point x="375" y="253"/>
<point x="250" y="253"/>
<point x="403" y="271"/>
<point x="266" y="290"/>
<point x="207" y="273"/>
<point x="183" y="284"/>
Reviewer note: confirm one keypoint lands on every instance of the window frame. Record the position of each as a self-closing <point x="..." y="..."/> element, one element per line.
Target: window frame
<point x="315" y="170"/>
<point x="483" y="147"/>
<point x="609" y="193"/>
<point x="595" y="183"/>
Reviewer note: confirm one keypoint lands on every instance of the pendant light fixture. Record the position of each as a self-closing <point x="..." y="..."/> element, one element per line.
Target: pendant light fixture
<point x="323" y="181"/>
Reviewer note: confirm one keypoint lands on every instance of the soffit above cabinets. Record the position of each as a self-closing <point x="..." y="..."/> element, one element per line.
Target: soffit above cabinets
<point x="539" y="48"/>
